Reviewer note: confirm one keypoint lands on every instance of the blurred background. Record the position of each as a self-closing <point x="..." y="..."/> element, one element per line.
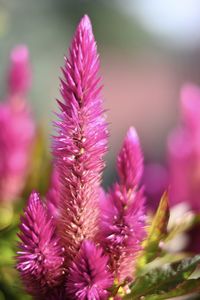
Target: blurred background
<point x="148" y="49"/>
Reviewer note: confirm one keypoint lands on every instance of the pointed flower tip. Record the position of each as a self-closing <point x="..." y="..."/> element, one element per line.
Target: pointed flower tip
<point x="19" y="54"/>
<point x="85" y="23"/>
<point x="19" y="77"/>
<point x="33" y="200"/>
<point x="130" y="160"/>
<point x="132" y="135"/>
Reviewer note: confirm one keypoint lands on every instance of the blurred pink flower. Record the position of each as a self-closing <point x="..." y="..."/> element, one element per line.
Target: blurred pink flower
<point x="184" y="151"/>
<point x="17" y="128"/>
<point x="156" y="181"/>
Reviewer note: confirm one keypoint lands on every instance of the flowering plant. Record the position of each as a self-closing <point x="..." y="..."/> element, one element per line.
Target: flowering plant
<point x="81" y="242"/>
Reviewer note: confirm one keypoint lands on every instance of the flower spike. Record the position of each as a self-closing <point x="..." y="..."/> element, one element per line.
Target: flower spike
<point x="122" y="211"/>
<point x="81" y="141"/>
<point x="130" y="160"/>
<point x="40" y="259"/>
<point x="89" y="277"/>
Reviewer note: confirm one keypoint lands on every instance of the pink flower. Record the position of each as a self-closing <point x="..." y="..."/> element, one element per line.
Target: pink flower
<point x="81" y="141"/>
<point x="17" y="128"/>
<point x="71" y="215"/>
<point x="122" y="211"/>
<point x="89" y="277"/>
<point x="40" y="259"/>
<point x="19" y="77"/>
<point x="130" y="161"/>
<point x="184" y="151"/>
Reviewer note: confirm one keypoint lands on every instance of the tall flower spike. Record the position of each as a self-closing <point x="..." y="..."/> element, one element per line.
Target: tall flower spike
<point x="81" y="141"/>
<point x="88" y="277"/>
<point x="40" y="259"/>
<point x="15" y="116"/>
<point x="122" y="211"/>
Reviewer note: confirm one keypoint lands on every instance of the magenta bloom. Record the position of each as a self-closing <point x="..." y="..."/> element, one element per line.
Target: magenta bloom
<point x="83" y="269"/>
<point x="40" y="259"/>
<point x="184" y="151"/>
<point x="89" y="278"/>
<point x="130" y="161"/>
<point x="17" y="129"/>
<point x="81" y="141"/>
<point x="122" y="211"/>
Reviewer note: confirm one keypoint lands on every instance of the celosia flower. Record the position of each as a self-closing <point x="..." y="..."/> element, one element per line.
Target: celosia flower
<point x="40" y="259"/>
<point x="17" y="128"/>
<point x="184" y="151"/>
<point x="72" y="203"/>
<point x="130" y="161"/>
<point x="122" y="211"/>
<point x="81" y="141"/>
<point x="89" y="278"/>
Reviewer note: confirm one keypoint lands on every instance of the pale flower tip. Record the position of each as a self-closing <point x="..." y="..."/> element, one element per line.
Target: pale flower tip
<point x="130" y="160"/>
<point x="19" y="77"/>
<point x="34" y="197"/>
<point x="132" y="135"/>
<point x="19" y="54"/>
<point x="85" y="23"/>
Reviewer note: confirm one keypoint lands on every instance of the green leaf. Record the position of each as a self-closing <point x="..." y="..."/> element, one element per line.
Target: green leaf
<point x="163" y="279"/>
<point x="187" y="287"/>
<point x="157" y="233"/>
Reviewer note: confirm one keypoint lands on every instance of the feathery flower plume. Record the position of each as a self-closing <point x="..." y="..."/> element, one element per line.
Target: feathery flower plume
<point x="184" y="151"/>
<point x="15" y="142"/>
<point x="88" y="277"/>
<point x="122" y="211"/>
<point x="81" y="141"/>
<point x="40" y="259"/>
